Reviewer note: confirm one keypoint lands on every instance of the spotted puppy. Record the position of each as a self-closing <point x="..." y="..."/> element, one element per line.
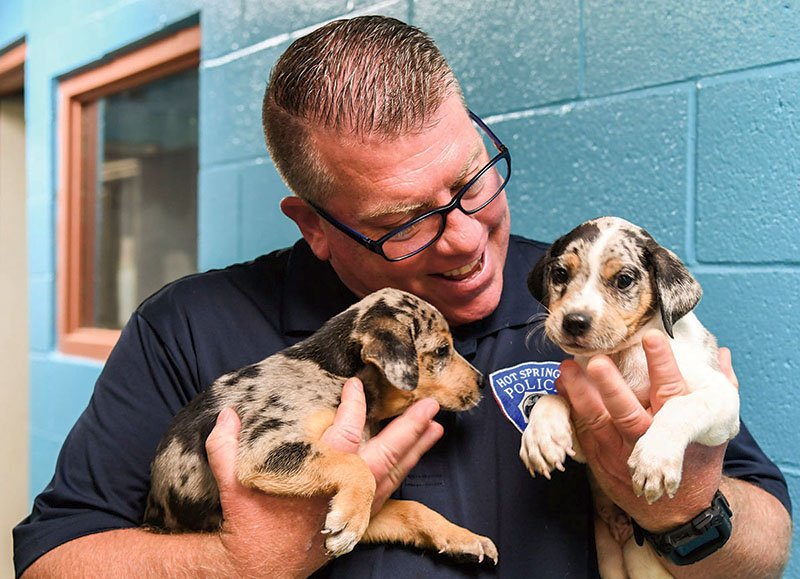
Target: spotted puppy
<point x="400" y="346"/>
<point x="604" y="285"/>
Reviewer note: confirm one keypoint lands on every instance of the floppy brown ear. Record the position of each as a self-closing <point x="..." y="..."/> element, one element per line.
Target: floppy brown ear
<point x="677" y="290"/>
<point x="389" y="345"/>
<point x="537" y="283"/>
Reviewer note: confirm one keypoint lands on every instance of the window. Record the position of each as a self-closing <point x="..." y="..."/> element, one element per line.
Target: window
<point x="128" y="187"/>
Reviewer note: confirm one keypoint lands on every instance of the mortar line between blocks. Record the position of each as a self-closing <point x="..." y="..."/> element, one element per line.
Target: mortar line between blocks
<point x="691" y="176"/>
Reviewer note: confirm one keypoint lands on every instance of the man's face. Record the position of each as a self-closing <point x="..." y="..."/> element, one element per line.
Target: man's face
<point x="382" y="184"/>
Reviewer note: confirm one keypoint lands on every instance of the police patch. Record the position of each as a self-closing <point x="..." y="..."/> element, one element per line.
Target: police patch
<point x="516" y="389"/>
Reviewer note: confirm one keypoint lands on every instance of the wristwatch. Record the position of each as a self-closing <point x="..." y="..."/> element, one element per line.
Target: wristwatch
<point x="695" y="540"/>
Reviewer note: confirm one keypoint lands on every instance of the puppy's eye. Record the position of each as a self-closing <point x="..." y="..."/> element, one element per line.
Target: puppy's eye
<point x="559" y="275"/>
<point x="443" y="351"/>
<point x="623" y="281"/>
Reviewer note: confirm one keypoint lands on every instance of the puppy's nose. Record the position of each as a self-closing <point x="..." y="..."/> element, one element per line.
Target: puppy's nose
<point x="481" y="380"/>
<point x="577" y="324"/>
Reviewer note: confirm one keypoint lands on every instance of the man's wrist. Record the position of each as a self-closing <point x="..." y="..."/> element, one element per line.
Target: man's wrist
<point x="695" y="540"/>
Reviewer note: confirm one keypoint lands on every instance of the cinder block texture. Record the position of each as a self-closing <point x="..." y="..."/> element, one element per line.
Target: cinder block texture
<point x="264" y="227"/>
<point x="60" y="390"/>
<point x="230" y="107"/>
<point x="624" y="157"/>
<point x="507" y="55"/>
<point x="748" y="163"/>
<point x="218" y="217"/>
<point x="750" y="313"/>
<point x="631" y="44"/>
<point x="41" y="314"/>
<point x="264" y="19"/>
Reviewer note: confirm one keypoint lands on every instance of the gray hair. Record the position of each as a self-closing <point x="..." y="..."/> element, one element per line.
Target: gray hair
<point x="371" y="75"/>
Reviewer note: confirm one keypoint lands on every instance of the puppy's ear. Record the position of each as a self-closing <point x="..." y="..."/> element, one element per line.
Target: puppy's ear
<point x="389" y="345"/>
<point x="676" y="289"/>
<point x="537" y="280"/>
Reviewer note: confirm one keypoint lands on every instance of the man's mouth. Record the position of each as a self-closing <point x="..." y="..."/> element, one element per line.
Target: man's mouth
<point x="464" y="271"/>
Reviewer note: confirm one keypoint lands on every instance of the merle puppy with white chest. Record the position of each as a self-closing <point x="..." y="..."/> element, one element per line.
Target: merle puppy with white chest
<point x="401" y="349"/>
<point x="604" y="285"/>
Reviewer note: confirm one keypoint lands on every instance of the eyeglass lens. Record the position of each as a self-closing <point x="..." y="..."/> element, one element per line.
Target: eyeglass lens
<point x="422" y="233"/>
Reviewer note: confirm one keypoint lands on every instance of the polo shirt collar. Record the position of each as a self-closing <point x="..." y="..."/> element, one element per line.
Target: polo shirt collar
<point x="516" y="307"/>
<point x="314" y="294"/>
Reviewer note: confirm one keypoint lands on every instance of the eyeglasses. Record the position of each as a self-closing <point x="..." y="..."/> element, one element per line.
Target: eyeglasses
<point x="421" y="232"/>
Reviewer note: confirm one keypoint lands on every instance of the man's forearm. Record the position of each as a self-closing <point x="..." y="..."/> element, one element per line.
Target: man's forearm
<point x="138" y="553"/>
<point x="759" y="544"/>
<point x="134" y="553"/>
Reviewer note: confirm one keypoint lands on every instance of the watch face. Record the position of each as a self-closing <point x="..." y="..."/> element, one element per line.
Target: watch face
<point x="710" y="536"/>
<point x="695" y="540"/>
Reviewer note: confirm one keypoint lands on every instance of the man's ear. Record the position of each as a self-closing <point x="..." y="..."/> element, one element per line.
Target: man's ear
<point x="310" y="225"/>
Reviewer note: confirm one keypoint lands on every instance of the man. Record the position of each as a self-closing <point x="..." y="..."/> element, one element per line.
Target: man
<point x="366" y="123"/>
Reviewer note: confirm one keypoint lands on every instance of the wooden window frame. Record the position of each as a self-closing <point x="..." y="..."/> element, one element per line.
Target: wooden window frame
<point x="12" y="70"/>
<point x="175" y="53"/>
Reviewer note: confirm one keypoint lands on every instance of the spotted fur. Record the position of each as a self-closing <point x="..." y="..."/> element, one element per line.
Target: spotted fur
<point x="605" y="284"/>
<point x="401" y="348"/>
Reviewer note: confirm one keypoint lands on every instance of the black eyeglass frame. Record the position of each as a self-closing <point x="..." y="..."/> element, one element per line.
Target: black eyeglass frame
<point x="376" y="246"/>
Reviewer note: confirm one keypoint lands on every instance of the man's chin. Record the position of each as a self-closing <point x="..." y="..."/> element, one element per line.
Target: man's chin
<point x="460" y="314"/>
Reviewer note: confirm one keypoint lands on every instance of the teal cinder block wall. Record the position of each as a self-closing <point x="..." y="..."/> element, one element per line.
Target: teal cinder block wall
<point x="680" y="115"/>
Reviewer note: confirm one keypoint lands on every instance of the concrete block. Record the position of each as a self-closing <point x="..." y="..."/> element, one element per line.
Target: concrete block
<point x="41" y="314"/>
<point x="60" y="390"/>
<point x="633" y="44"/>
<point x="230" y="107"/>
<point x="263" y="226"/>
<point x="218" y="218"/>
<point x="221" y="26"/>
<point x="507" y="55"/>
<point x="41" y="236"/>
<point x="748" y="162"/>
<point x="264" y="19"/>
<point x="624" y="157"/>
<point x="741" y="309"/>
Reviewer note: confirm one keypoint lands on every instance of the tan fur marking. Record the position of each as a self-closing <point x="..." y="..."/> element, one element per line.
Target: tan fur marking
<point x="318" y="423"/>
<point x="393" y="402"/>
<point x="572" y="262"/>
<point x="634" y="320"/>
<point x="611" y="268"/>
<point x="411" y="523"/>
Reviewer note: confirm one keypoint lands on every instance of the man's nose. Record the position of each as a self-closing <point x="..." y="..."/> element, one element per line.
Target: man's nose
<point x="462" y="233"/>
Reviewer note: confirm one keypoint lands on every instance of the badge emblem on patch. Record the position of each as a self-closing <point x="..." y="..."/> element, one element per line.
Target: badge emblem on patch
<point x="516" y="389"/>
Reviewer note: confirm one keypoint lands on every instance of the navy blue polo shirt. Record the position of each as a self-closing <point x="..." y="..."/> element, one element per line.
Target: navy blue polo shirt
<point x="194" y="330"/>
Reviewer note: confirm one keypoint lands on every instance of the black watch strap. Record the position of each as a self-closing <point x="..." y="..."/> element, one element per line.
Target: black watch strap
<point x="695" y="540"/>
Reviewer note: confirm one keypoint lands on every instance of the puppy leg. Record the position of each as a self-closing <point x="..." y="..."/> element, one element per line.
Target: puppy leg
<point x="609" y="553"/>
<point x="411" y="523"/>
<point x="549" y="437"/>
<point x="345" y="476"/>
<point x="708" y="415"/>
<point x="642" y="562"/>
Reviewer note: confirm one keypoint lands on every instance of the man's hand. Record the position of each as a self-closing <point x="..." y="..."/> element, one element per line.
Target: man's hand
<point x="609" y="420"/>
<point x="264" y="533"/>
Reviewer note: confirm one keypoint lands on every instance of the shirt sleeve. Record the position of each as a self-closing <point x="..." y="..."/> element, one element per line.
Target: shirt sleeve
<point x="745" y="460"/>
<point x="102" y="475"/>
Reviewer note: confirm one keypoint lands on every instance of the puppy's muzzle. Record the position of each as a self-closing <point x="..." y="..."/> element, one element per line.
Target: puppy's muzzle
<point x="576" y="324"/>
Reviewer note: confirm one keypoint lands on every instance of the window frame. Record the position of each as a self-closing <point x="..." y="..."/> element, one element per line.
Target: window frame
<point x="12" y="69"/>
<point x="168" y="55"/>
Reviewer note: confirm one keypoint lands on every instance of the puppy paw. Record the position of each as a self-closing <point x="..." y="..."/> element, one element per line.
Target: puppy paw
<point x="344" y="530"/>
<point x="656" y="467"/>
<point x="468" y="547"/>
<point x="546" y="443"/>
